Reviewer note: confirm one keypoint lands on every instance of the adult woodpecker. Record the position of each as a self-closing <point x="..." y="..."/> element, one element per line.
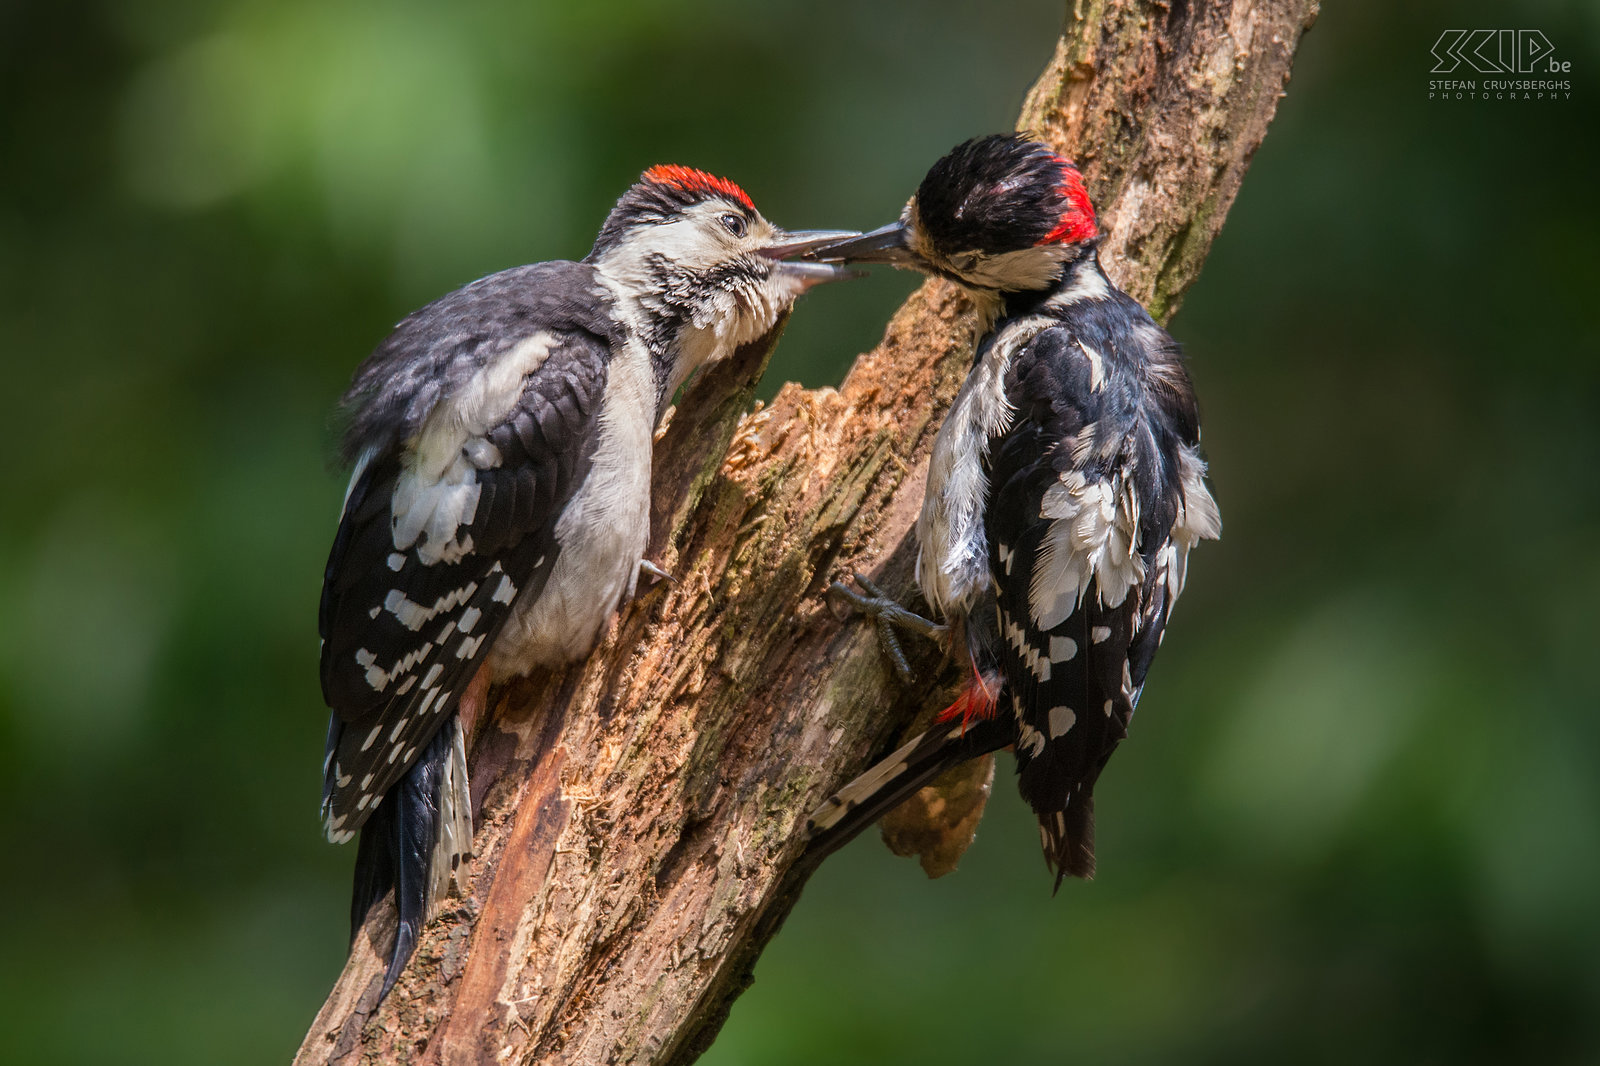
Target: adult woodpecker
<point x="499" y="505"/>
<point x="1065" y="489"/>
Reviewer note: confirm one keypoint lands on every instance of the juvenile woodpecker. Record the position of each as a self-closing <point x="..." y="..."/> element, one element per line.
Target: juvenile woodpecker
<point x="1065" y="489"/>
<point x="498" y="509"/>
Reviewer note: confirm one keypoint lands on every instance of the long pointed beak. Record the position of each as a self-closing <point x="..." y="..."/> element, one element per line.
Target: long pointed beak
<point x="799" y="242"/>
<point x="802" y="242"/>
<point x="886" y="244"/>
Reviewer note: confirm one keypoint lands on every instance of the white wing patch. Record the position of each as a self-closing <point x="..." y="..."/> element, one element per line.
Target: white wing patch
<point x="1092" y="539"/>
<point x="437" y="491"/>
<point x="433" y="512"/>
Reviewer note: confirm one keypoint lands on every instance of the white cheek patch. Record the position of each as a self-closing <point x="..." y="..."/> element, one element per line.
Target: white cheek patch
<point x="1026" y="268"/>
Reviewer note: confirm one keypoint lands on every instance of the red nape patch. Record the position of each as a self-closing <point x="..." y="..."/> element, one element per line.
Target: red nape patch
<point x="1077" y="218"/>
<point x="977" y="700"/>
<point x="698" y="181"/>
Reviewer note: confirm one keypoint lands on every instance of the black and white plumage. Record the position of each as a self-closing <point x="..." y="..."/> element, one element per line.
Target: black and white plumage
<point x="498" y="510"/>
<point x="1065" y="490"/>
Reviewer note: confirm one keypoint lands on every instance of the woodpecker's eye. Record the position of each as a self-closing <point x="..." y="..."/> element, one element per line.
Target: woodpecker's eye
<point x="734" y="224"/>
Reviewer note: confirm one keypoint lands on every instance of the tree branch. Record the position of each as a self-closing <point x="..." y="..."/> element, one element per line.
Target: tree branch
<point x="639" y="816"/>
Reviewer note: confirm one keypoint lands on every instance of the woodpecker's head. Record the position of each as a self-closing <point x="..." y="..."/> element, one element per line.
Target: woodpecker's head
<point x="700" y="268"/>
<point x="998" y="214"/>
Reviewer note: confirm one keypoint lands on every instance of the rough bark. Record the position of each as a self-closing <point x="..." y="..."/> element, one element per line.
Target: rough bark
<point x="639" y="815"/>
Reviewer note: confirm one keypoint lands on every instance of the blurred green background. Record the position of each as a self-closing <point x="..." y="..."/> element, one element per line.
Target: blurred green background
<point x="1359" y="818"/>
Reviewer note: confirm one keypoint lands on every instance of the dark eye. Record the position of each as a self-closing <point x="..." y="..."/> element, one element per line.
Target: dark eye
<point x="734" y="224"/>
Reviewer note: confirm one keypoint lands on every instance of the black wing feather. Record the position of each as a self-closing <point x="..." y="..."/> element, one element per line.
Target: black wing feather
<point x="393" y="676"/>
<point x="1073" y="687"/>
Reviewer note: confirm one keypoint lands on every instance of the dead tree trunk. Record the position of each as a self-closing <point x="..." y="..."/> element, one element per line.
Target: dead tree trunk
<point x="639" y="815"/>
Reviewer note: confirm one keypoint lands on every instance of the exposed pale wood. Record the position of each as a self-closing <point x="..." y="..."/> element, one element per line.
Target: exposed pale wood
<point x="638" y="837"/>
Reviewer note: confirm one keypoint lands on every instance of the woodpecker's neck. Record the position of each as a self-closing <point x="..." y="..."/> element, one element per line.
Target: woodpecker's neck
<point x="1020" y="282"/>
<point x="685" y="318"/>
<point x="1081" y="278"/>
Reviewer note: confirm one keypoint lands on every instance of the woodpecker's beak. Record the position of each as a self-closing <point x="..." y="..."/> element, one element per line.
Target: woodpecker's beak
<point x="802" y="243"/>
<point x="886" y="244"/>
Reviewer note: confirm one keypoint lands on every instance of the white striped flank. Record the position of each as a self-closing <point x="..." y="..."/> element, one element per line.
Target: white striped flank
<point x="1198" y="517"/>
<point x="952" y="567"/>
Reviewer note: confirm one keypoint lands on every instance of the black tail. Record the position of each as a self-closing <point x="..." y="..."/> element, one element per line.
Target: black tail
<point x="888" y="783"/>
<point x="397" y="851"/>
<point x="1067" y="836"/>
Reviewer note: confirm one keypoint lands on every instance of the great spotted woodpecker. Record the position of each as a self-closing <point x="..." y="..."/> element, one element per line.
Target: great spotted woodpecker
<point x="498" y="510"/>
<point x="1065" y="489"/>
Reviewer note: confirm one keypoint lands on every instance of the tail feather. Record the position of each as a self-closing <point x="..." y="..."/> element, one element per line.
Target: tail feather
<point x="412" y="844"/>
<point x="454" y="839"/>
<point x="892" y="780"/>
<point x="1067" y="836"/>
<point x="374" y="876"/>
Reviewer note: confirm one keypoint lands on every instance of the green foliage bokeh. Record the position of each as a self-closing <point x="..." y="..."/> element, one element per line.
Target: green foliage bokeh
<point x="1359" y="816"/>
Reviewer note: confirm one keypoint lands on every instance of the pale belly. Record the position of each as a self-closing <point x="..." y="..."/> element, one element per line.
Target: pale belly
<point x="602" y="533"/>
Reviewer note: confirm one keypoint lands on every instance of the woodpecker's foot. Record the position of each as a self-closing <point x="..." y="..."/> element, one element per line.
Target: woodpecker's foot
<point x="650" y="575"/>
<point x="888" y="615"/>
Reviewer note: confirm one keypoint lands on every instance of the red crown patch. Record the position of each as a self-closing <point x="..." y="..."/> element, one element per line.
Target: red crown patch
<point x="697" y="181"/>
<point x="1077" y="221"/>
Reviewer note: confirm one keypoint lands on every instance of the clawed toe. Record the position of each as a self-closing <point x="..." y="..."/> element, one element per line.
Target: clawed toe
<point x="655" y="573"/>
<point x="887" y="616"/>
